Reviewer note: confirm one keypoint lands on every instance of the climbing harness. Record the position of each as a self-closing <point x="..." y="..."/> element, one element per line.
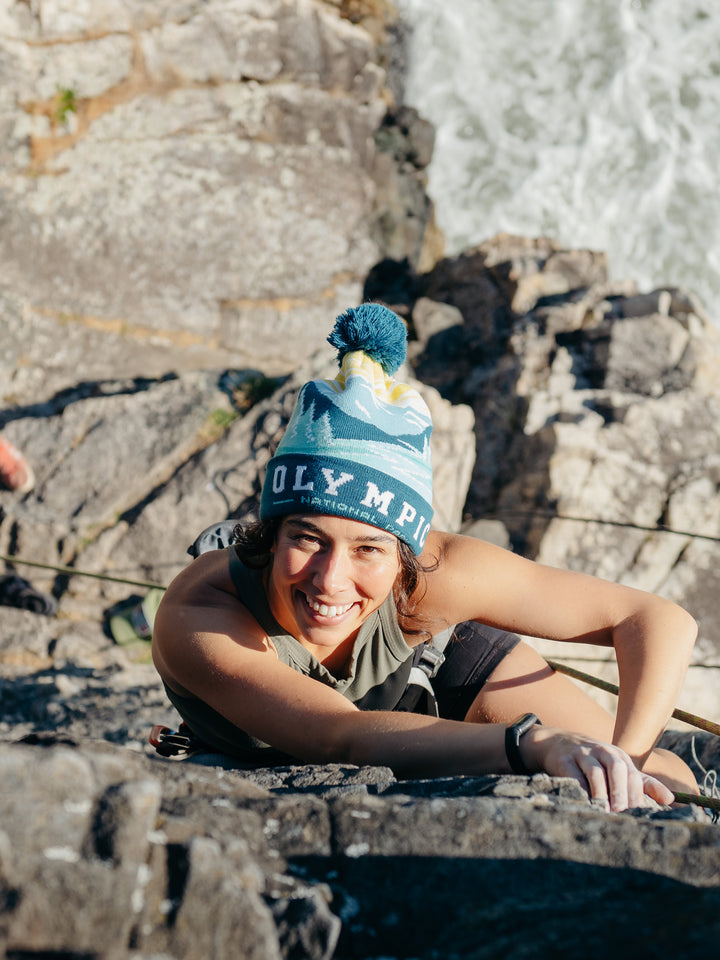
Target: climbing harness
<point x="427" y="660"/>
<point x="171" y="743"/>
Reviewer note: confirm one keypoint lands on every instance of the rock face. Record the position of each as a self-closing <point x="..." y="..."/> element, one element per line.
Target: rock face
<point x="190" y="192"/>
<point x="106" y="852"/>
<point x="211" y="180"/>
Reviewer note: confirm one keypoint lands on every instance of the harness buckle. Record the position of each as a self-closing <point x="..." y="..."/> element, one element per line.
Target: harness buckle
<point x="170" y="743"/>
<point x="430" y="660"/>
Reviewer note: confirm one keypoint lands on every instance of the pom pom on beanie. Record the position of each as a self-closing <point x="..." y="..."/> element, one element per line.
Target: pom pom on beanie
<point x="376" y="331"/>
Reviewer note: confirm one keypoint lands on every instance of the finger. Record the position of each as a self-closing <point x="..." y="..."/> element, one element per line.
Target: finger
<point x="623" y="784"/>
<point x="656" y="790"/>
<point x="626" y="783"/>
<point x="599" y="783"/>
<point x="635" y="786"/>
<point x="624" y="780"/>
<point x="571" y="768"/>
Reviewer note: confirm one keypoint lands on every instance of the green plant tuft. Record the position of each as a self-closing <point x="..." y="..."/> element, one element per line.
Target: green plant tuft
<point x="216" y="423"/>
<point x="65" y="102"/>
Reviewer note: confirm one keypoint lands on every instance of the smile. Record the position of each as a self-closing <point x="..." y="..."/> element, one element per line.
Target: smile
<point x="327" y="611"/>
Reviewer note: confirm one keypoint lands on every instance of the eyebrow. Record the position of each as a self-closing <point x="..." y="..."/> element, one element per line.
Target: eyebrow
<point x="378" y="537"/>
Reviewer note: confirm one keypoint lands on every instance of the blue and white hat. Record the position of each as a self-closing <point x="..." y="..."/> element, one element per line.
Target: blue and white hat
<point x="358" y="446"/>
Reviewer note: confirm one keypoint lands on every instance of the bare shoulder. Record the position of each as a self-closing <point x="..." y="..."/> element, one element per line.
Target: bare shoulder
<point x="201" y="621"/>
<point x="453" y="557"/>
<point x="443" y="550"/>
<point x="202" y="581"/>
<point x="461" y="574"/>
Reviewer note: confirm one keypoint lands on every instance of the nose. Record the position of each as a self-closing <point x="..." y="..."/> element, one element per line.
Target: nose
<point x="331" y="573"/>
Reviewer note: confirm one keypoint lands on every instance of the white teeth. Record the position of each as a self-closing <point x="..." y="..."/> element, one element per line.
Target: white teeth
<point x="325" y="611"/>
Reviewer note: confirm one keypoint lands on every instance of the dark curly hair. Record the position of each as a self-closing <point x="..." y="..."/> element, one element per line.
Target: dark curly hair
<point x="253" y="543"/>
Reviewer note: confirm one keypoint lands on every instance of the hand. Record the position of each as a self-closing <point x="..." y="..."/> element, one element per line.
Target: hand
<point x="606" y="772"/>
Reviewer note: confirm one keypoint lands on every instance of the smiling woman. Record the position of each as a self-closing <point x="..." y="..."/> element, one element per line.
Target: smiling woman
<point x="299" y="639"/>
<point x="327" y="577"/>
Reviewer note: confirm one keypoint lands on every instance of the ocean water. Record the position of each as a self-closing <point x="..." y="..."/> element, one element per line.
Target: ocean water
<point x="596" y="122"/>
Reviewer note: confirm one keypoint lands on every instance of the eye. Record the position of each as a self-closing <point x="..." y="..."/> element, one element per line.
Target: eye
<point x="371" y="550"/>
<point x="304" y="539"/>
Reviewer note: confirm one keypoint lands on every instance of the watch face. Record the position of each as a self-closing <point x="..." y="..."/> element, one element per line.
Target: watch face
<point x="523" y="723"/>
<point x="513" y="733"/>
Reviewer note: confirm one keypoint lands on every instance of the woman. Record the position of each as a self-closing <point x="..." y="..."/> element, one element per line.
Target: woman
<point x="299" y="639"/>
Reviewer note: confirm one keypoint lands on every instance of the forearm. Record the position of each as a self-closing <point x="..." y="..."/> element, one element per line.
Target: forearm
<point x="653" y="650"/>
<point x="416" y="745"/>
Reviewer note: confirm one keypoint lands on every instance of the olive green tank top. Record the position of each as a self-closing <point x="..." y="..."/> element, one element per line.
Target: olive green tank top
<point x="374" y="679"/>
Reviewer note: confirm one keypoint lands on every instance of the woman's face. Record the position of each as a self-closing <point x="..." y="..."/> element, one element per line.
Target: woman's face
<point x="327" y="576"/>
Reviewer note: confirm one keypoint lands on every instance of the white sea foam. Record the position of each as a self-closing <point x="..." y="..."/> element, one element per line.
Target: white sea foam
<point x="593" y="121"/>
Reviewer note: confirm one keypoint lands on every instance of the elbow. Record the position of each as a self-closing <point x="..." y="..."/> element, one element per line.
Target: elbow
<point x="334" y="743"/>
<point x="343" y="744"/>
<point x="692" y="631"/>
<point x="683" y="625"/>
<point x="659" y="621"/>
<point x="687" y="627"/>
<point x="693" y="628"/>
<point x="353" y="740"/>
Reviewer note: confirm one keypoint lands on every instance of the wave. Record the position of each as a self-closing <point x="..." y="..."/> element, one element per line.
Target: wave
<point x="592" y="121"/>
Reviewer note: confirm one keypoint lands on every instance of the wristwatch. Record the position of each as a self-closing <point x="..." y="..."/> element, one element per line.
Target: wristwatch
<point x="513" y="733"/>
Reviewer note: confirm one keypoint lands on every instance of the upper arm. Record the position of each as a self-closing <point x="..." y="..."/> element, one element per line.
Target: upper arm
<point x="475" y="580"/>
<point x="205" y="643"/>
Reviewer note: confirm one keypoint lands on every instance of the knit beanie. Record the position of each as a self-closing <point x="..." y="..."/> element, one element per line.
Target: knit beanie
<point x="358" y="446"/>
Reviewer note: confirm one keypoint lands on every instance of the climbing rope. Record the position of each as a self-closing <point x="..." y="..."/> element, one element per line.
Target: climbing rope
<point x="603" y="521"/>
<point x="710" y="802"/>
<point x="74" y="572"/>
<point x="690" y="718"/>
<point x="710" y="782"/>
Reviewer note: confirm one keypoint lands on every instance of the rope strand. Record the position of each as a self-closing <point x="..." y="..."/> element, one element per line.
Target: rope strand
<point x="626" y="524"/>
<point x="697" y="800"/>
<point x="73" y="572"/>
<point x="683" y="715"/>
